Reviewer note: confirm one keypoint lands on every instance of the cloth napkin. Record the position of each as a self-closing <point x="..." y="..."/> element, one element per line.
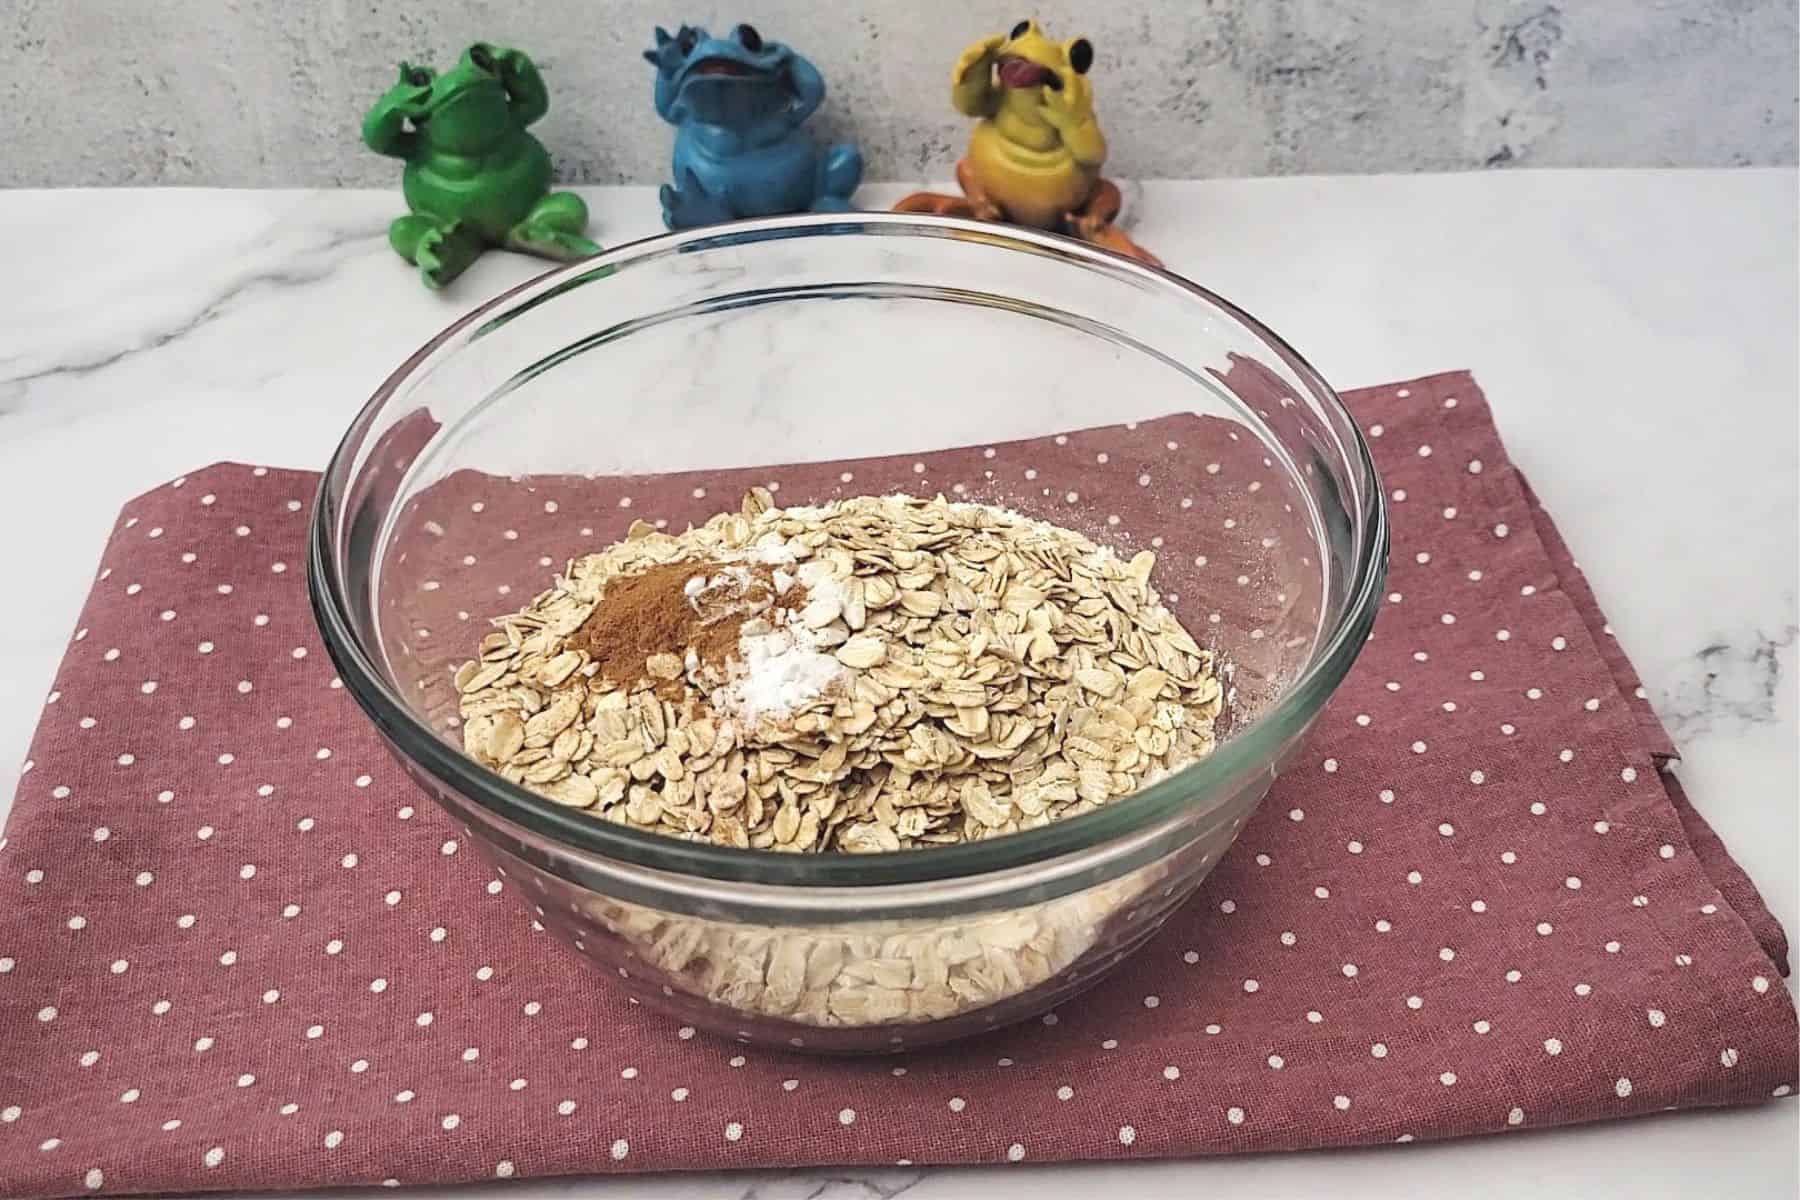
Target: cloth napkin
<point x="238" y="950"/>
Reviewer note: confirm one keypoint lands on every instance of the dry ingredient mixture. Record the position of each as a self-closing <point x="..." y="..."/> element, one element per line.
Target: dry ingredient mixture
<point x="877" y="674"/>
<point x="880" y="673"/>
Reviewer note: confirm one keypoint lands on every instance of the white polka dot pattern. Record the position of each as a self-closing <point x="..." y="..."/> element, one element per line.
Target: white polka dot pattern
<point x="236" y="950"/>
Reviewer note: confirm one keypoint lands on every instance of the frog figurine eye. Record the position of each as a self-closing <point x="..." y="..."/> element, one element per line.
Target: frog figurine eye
<point x="749" y="39"/>
<point x="1081" y="56"/>
<point x="686" y="40"/>
<point x="417" y="76"/>
<point x="1019" y="30"/>
<point x="479" y="55"/>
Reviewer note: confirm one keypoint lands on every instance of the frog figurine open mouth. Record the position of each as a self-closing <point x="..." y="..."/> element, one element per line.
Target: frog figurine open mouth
<point x="1035" y="154"/>
<point x="1015" y="72"/>
<point x="723" y="66"/>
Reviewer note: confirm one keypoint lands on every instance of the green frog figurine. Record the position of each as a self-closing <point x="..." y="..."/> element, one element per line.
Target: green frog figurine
<point x="474" y="178"/>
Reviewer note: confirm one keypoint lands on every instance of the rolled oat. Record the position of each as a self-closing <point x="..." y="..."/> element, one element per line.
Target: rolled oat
<point x="876" y="674"/>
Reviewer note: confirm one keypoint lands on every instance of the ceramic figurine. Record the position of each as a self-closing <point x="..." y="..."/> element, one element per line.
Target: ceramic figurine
<point x="474" y="178"/>
<point x="1036" y="152"/>
<point x="738" y="104"/>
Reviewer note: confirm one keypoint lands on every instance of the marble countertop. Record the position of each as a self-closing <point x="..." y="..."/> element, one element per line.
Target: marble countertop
<point x="1634" y="331"/>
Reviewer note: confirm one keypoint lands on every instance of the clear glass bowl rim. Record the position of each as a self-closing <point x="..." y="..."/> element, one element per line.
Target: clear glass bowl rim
<point x="1246" y="751"/>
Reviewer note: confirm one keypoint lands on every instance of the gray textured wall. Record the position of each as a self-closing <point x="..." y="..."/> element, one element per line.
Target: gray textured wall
<point x="270" y="92"/>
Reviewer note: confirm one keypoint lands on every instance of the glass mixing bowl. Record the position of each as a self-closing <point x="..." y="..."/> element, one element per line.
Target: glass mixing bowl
<point x="538" y="427"/>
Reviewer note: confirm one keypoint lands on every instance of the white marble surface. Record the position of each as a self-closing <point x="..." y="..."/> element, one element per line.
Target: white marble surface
<point x="1634" y="330"/>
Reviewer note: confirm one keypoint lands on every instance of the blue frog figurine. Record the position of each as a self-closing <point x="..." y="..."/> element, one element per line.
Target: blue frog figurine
<point x="738" y="104"/>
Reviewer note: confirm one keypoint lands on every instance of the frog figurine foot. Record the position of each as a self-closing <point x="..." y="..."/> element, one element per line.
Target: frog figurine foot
<point x="1094" y="222"/>
<point x="840" y="170"/>
<point x="738" y="104"/>
<point x="441" y="250"/>
<point x="1034" y="157"/>
<point x="474" y="177"/>
<point x="552" y="229"/>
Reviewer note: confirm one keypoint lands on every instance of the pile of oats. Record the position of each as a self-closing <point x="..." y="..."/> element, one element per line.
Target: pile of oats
<point x="880" y="973"/>
<point x="945" y="672"/>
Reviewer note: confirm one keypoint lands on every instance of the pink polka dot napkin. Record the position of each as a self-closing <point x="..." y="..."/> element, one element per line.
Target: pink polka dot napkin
<point x="238" y="950"/>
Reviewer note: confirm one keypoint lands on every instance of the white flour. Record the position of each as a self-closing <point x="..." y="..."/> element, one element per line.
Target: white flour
<point x="770" y="551"/>
<point x="777" y="672"/>
<point x="724" y="594"/>
<point x="780" y="669"/>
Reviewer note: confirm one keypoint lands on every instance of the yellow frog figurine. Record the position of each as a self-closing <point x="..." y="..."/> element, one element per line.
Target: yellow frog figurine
<point x="1036" y="152"/>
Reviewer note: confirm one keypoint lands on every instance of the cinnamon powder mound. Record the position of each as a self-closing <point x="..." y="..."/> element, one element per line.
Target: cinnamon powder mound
<point x="676" y="607"/>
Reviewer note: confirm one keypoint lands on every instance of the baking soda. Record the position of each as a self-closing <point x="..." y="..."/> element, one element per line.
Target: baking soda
<point x="776" y="673"/>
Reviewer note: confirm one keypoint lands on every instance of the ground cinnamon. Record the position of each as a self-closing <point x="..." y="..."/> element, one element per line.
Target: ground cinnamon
<point x="677" y="607"/>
